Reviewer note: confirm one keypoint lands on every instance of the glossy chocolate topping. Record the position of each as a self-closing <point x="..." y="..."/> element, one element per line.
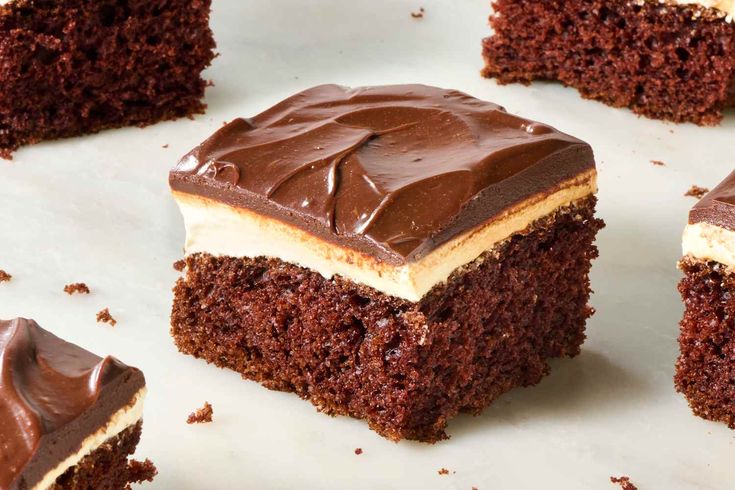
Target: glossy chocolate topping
<point x="52" y="396"/>
<point x="392" y="171"/>
<point x="718" y="206"/>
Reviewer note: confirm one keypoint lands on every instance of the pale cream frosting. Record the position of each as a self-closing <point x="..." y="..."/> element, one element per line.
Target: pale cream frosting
<point x="726" y="6"/>
<point x="221" y="230"/>
<point x="126" y="417"/>
<point x="705" y="241"/>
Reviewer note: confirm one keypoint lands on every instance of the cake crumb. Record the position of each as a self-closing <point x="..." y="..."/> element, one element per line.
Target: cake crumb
<point x="105" y="317"/>
<point x="658" y="163"/>
<point x="419" y="14"/>
<point x="202" y="415"/>
<point x="180" y="265"/>
<point x="624" y="482"/>
<point x="140" y="471"/>
<point x="4" y="276"/>
<point x="443" y="471"/>
<point x="358" y="451"/>
<point x="165" y="146"/>
<point x="696" y="191"/>
<point x="76" y="288"/>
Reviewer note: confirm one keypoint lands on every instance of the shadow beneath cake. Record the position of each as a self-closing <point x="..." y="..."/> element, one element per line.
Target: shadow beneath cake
<point x="729" y="117"/>
<point x="590" y="384"/>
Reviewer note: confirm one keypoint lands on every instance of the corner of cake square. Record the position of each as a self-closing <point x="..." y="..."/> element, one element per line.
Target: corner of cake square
<point x="69" y="420"/>
<point x="705" y="369"/>
<point x="398" y="254"/>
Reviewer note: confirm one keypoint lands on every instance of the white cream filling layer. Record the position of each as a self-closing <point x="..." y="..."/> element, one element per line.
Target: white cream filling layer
<point x="124" y="418"/>
<point x="727" y="7"/>
<point x="222" y="230"/>
<point x="709" y="242"/>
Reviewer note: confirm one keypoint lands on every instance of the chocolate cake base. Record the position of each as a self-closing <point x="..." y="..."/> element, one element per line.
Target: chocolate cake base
<point x="106" y="467"/>
<point x="664" y="61"/>
<point x="79" y="66"/>
<point x="405" y="367"/>
<point x="705" y="370"/>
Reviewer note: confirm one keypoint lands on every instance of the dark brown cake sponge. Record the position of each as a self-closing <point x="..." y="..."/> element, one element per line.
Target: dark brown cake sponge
<point x="407" y="368"/>
<point x="705" y="370"/>
<point x="107" y="466"/>
<point x="80" y="66"/>
<point x="664" y="61"/>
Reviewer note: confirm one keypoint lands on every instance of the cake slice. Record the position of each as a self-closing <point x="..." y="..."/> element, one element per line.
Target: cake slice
<point x="68" y="419"/>
<point x="397" y="254"/>
<point x="705" y="370"/>
<point x="663" y="59"/>
<point x="69" y="67"/>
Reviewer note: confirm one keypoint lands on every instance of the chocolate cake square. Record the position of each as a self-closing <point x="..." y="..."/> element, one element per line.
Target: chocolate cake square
<point x="397" y="254"/>
<point x="705" y="370"/>
<point x="68" y="419"/>
<point x="664" y="59"/>
<point x="69" y="67"/>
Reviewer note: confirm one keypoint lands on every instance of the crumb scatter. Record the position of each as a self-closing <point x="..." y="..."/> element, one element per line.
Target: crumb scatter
<point x="141" y="471"/>
<point x="696" y="191"/>
<point x="419" y="14"/>
<point x="443" y="471"/>
<point x="658" y="163"/>
<point x="4" y="276"/>
<point x="76" y="288"/>
<point x="624" y="482"/>
<point x="202" y="415"/>
<point x="358" y="451"/>
<point x="180" y="265"/>
<point x="105" y="317"/>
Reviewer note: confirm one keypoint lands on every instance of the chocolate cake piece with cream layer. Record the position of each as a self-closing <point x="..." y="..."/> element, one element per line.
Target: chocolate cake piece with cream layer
<point x="664" y="59"/>
<point x="68" y="418"/>
<point x="705" y="370"/>
<point x="397" y="254"/>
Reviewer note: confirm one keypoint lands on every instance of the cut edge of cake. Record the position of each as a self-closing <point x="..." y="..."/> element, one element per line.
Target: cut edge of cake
<point x="705" y="364"/>
<point x="68" y="72"/>
<point x="664" y="70"/>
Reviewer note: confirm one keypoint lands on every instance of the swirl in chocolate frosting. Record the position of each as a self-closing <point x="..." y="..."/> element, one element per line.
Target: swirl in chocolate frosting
<point x="52" y="396"/>
<point x="394" y="171"/>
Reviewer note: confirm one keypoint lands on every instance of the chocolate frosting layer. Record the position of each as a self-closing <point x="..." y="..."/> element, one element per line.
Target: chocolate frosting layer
<point x="391" y="171"/>
<point x="718" y="206"/>
<point x="53" y="395"/>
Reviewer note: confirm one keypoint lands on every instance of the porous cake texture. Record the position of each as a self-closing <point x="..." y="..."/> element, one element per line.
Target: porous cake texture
<point x="662" y="59"/>
<point x="69" y="67"/>
<point x="106" y="467"/>
<point x="705" y="370"/>
<point x="397" y="254"/>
